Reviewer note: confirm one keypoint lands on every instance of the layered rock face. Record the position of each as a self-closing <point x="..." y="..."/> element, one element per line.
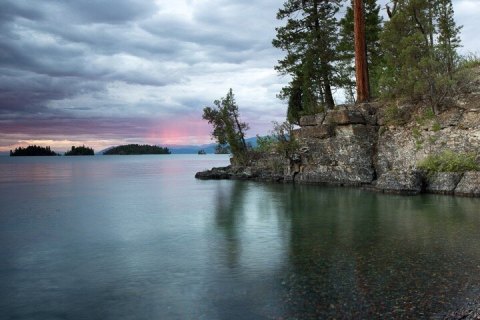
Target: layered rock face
<point x="358" y="146"/>
<point x="337" y="147"/>
<point x="355" y="145"/>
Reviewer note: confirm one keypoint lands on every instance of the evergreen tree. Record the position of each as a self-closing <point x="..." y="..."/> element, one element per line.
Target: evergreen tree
<point x="295" y="105"/>
<point x="80" y="151"/>
<point x="309" y="39"/>
<point x="420" y="42"/>
<point x="130" y="149"/>
<point x="32" y="151"/>
<point x="227" y="127"/>
<point x="448" y="35"/>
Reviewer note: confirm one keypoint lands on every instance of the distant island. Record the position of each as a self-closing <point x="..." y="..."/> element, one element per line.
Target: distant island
<point x="80" y="151"/>
<point x="32" y="151"/>
<point x="130" y="149"/>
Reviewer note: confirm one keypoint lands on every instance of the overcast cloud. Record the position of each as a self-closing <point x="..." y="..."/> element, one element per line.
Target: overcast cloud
<point x="106" y="72"/>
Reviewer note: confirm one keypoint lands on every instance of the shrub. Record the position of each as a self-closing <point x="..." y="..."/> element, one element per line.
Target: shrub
<point x="469" y="61"/>
<point x="266" y="143"/>
<point x="393" y="115"/>
<point x="436" y="127"/>
<point x="449" y="161"/>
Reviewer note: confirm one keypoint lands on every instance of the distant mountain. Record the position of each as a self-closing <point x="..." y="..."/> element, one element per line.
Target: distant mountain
<point x="178" y="149"/>
<point x="104" y="150"/>
<point x="209" y="148"/>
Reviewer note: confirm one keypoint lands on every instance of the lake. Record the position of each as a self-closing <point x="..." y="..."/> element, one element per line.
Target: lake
<point x="138" y="237"/>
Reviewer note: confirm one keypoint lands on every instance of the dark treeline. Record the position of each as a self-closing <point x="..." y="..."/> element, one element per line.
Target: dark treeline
<point x="137" y="149"/>
<point x="80" y="151"/>
<point x="32" y="151"/>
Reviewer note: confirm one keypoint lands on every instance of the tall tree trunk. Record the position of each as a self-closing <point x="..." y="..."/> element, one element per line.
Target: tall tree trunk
<point x="361" y="65"/>
<point x="329" y="102"/>
<point x="240" y="131"/>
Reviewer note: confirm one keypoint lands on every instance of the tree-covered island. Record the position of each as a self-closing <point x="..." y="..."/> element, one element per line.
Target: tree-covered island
<point x="32" y="151"/>
<point x="80" y="151"/>
<point x="131" y="149"/>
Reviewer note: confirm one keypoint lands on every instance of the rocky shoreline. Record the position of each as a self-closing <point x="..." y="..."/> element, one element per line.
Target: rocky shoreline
<point x="458" y="184"/>
<point x="360" y="146"/>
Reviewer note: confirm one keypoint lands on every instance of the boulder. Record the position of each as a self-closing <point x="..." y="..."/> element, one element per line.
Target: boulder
<point x="215" y="173"/>
<point x="402" y="182"/>
<point x="469" y="185"/>
<point x="318" y="132"/>
<point x="308" y="121"/>
<point x="312" y="120"/>
<point x="443" y="182"/>
<point x="344" y="117"/>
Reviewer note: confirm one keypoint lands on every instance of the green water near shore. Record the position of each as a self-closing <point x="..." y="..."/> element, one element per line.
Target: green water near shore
<point x="137" y="237"/>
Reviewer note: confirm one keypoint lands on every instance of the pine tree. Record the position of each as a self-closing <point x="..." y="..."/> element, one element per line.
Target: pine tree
<point x="420" y="43"/>
<point x="227" y="127"/>
<point x="309" y="39"/>
<point x="448" y="35"/>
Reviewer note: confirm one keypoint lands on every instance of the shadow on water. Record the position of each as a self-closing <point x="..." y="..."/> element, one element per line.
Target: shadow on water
<point x="241" y="285"/>
<point x="348" y="253"/>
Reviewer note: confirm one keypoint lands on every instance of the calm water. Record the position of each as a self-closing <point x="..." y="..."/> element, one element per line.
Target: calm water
<point x="137" y="237"/>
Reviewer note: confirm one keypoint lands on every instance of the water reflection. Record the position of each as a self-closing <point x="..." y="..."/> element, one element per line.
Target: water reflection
<point x="140" y="238"/>
<point x="353" y="254"/>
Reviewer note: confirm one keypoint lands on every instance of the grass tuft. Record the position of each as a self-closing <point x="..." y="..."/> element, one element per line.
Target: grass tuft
<point x="449" y="161"/>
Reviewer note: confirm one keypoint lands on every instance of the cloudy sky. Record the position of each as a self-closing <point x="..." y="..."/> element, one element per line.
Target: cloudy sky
<point x="109" y="72"/>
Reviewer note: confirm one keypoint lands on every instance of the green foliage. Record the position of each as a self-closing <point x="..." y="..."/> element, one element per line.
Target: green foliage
<point x="449" y="161"/>
<point x="417" y="136"/>
<point x="416" y="133"/>
<point x="283" y="133"/>
<point x="466" y="76"/>
<point x="80" y="151"/>
<point x="222" y="149"/>
<point x="266" y="143"/>
<point x="433" y="139"/>
<point x="136" y="149"/>
<point x="309" y="39"/>
<point x="420" y="44"/>
<point x="436" y="127"/>
<point x="426" y="115"/>
<point x="392" y="115"/>
<point x="32" y="151"/>
<point x="280" y="140"/>
<point x="227" y="127"/>
<point x="469" y="61"/>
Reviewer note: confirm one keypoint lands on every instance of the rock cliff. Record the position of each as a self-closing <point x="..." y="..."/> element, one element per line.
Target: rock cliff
<point x="377" y="147"/>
